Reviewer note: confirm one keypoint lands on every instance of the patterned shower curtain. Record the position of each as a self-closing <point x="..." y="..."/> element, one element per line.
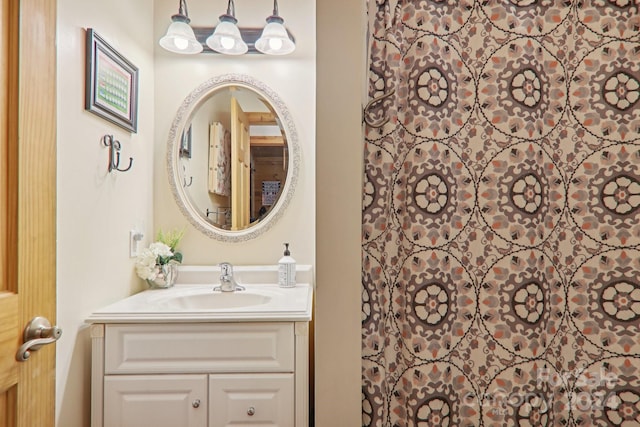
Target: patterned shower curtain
<point x="501" y="229"/>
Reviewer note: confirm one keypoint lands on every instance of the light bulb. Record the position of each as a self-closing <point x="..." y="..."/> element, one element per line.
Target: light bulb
<point x="227" y="42"/>
<point x="181" y="43"/>
<point x="275" y="44"/>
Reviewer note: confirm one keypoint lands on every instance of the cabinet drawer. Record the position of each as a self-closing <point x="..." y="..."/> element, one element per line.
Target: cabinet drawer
<point x="199" y="348"/>
<point x="265" y="400"/>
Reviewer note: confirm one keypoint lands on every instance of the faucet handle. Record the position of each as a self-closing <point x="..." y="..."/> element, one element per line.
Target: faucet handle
<point x="226" y="269"/>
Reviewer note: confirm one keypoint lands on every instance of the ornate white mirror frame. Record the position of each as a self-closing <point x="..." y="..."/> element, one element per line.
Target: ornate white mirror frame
<point x="184" y="116"/>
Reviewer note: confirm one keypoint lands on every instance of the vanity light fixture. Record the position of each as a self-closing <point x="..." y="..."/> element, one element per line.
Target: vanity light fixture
<point x="275" y="39"/>
<point x="226" y="37"/>
<point x="180" y="37"/>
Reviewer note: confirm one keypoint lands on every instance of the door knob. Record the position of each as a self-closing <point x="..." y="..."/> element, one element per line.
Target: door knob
<point x="37" y="333"/>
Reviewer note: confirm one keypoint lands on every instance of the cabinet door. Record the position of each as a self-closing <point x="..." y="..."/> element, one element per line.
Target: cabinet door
<point x="265" y="400"/>
<point x="155" y="400"/>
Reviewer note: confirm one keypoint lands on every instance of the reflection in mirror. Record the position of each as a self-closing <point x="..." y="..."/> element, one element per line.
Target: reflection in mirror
<point x="236" y="152"/>
<point x="234" y="163"/>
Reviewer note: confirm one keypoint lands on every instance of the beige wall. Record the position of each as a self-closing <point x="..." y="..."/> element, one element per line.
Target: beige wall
<point x="293" y="77"/>
<point x="339" y="195"/>
<point x="96" y="209"/>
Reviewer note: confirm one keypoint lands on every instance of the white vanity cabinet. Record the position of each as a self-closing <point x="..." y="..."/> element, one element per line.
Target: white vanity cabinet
<point x="200" y="374"/>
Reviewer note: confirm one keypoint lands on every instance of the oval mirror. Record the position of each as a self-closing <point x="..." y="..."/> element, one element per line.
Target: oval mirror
<point x="232" y="157"/>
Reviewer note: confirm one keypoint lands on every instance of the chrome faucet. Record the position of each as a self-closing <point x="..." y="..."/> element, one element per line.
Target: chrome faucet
<point x="227" y="281"/>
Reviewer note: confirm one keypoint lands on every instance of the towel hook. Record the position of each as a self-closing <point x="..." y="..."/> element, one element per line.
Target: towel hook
<point x="370" y="104"/>
<point x="184" y="179"/>
<point x="114" y="153"/>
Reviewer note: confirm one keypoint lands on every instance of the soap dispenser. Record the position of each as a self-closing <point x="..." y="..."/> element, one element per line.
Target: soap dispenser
<point x="287" y="269"/>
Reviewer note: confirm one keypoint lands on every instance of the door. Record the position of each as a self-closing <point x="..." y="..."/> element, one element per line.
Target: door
<point x="240" y="167"/>
<point x="27" y="206"/>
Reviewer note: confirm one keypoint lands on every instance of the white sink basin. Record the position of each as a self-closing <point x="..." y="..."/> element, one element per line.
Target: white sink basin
<point x="191" y="302"/>
<point x="209" y="300"/>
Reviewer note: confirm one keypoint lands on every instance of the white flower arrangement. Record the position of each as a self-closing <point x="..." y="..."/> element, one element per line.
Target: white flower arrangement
<point x="150" y="261"/>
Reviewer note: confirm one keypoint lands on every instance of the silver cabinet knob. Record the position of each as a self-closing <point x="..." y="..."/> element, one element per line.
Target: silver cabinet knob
<point x="196" y="403"/>
<point x="251" y="411"/>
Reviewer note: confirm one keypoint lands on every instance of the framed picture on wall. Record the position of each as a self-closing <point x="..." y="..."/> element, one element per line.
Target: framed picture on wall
<point x="270" y="191"/>
<point x="111" y="84"/>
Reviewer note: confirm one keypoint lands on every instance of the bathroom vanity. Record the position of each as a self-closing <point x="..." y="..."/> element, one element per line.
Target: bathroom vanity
<point x="189" y="356"/>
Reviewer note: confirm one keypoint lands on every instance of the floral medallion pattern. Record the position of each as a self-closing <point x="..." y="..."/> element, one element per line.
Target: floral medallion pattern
<point x="603" y="195"/>
<point x="429" y="396"/>
<point x="525" y="395"/>
<point x="501" y="214"/>
<point x="606" y="393"/>
<point x="522" y="89"/>
<point x="522" y="194"/>
<point x="603" y="301"/>
<point x="439" y="97"/>
<point x="522" y="303"/>
<point x="433" y="196"/>
<point x="624" y="408"/>
<point x="604" y="91"/>
<point x="435" y="303"/>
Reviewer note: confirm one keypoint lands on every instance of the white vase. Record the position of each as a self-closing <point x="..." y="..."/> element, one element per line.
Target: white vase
<point x="166" y="277"/>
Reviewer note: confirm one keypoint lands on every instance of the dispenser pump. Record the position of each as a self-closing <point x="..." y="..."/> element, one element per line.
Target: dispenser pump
<point x="287" y="269"/>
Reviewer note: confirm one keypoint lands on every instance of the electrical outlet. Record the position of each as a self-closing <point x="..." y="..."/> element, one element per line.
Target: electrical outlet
<point x="135" y="237"/>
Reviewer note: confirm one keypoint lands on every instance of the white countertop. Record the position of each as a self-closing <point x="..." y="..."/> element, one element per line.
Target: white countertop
<point x="168" y="306"/>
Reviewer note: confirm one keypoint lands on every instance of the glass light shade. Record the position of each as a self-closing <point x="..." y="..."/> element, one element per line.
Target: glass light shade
<point x="275" y="39"/>
<point x="180" y="38"/>
<point x="226" y="38"/>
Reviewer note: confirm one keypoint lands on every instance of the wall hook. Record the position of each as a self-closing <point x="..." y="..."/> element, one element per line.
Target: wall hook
<point x="184" y="179"/>
<point x="114" y="153"/>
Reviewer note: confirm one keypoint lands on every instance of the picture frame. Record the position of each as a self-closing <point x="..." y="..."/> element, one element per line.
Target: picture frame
<point x="111" y="86"/>
<point x="185" y="143"/>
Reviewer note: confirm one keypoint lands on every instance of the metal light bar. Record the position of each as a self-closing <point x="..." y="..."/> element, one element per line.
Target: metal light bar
<point x="249" y="35"/>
